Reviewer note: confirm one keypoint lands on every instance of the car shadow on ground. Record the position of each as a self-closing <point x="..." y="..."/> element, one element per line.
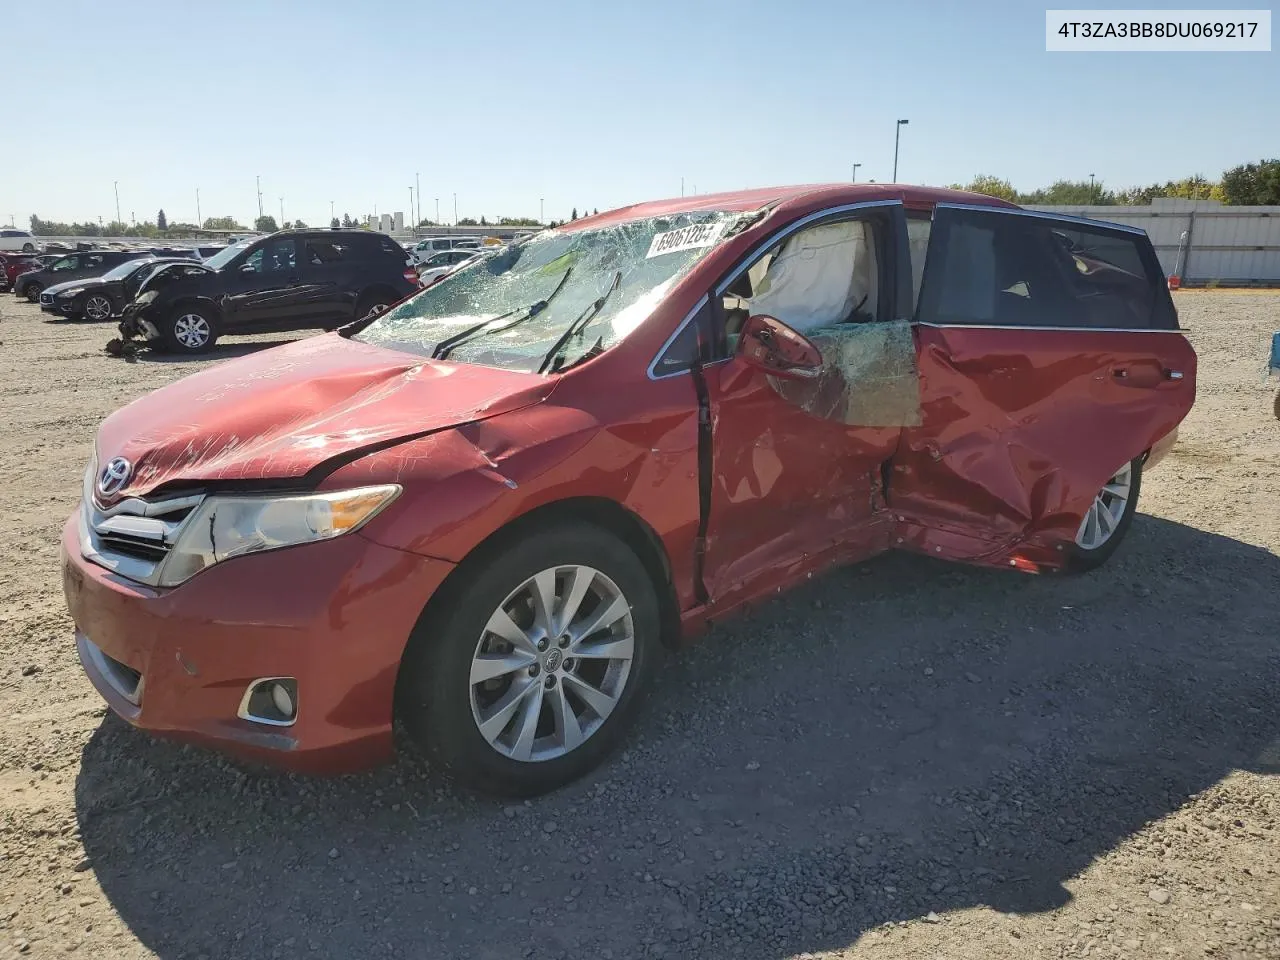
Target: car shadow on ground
<point x="220" y="351"/>
<point x="897" y="738"/>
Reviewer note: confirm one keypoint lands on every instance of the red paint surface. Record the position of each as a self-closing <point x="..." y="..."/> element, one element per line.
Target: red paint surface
<point x="1020" y="429"/>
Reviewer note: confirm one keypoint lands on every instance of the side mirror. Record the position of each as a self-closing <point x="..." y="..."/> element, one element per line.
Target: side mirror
<point x="770" y="345"/>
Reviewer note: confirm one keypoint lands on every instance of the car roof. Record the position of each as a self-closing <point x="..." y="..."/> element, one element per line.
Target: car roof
<point x="788" y="199"/>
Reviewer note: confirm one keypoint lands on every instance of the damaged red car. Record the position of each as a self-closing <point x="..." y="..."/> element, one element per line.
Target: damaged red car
<point x="484" y="511"/>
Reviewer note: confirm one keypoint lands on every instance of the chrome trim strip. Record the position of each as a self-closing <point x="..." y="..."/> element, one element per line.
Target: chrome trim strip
<point x="1020" y="212"/>
<point x="666" y="345"/>
<point x="783" y="232"/>
<point x="1005" y="326"/>
<point x="244" y="714"/>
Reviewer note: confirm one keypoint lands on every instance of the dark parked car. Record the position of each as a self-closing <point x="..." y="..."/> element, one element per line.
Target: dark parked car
<point x="74" y="266"/>
<point x="101" y="298"/>
<point x="290" y="280"/>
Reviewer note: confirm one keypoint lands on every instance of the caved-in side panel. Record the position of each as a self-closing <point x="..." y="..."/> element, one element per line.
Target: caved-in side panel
<point x="461" y="486"/>
<point x="1021" y="428"/>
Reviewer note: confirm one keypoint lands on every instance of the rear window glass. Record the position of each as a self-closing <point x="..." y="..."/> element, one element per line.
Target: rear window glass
<point x="327" y="251"/>
<point x="1009" y="269"/>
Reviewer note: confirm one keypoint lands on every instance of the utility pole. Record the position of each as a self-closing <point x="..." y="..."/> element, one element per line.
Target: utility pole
<point x="331" y="211"/>
<point x="855" y="172"/>
<point x="1092" y="195"/>
<point x="682" y="186"/>
<point x="455" y="209"/>
<point x="411" y="203"/>
<point x="199" y="222"/>
<point x="258" y="180"/>
<point x="897" y="132"/>
<point x="282" y="213"/>
<point x="542" y="219"/>
<point x="437" y="211"/>
<point x="116" y="185"/>
<point x="417" y="217"/>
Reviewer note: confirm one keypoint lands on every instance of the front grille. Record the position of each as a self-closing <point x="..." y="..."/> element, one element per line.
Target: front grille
<point x="133" y="537"/>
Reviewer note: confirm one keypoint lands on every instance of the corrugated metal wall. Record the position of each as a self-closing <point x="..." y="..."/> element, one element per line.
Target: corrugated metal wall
<point x="1225" y="245"/>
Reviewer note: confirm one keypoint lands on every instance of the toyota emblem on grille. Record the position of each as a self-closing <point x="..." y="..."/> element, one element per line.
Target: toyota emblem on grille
<point x="114" y="476"/>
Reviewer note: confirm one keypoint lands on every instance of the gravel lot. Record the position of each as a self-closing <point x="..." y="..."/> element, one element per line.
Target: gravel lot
<point x="904" y="759"/>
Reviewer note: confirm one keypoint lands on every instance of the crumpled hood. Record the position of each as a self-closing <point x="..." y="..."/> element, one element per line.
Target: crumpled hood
<point x="283" y="412"/>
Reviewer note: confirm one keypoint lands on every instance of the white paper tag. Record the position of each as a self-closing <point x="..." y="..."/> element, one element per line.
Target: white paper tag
<point x="686" y="238"/>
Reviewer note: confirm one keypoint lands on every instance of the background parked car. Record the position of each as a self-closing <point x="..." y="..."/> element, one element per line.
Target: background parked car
<point x="426" y="247"/>
<point x="101" y="298"/>
<point x="12" y="264"/>
<point x="444" y="263"/>
<point x="73" y="266"/>
<point x="290" y="280"/>
<point x="18" y="240"/>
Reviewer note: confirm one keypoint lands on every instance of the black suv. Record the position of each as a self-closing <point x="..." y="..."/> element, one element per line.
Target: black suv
<point x="290" y="280"/>
<point x="74" y="266"/>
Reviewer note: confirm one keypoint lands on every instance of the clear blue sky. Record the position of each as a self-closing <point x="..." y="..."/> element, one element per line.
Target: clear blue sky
<point x="588" y="104"/>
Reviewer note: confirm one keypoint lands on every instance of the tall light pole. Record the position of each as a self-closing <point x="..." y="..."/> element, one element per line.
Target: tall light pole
<point x="116" y="186"/>
<point x="330" y="211"/>
<point x="282" y="213"/>
<point x="411" y="203"/>
<point x="1092" y="195"/>
<point x="855" y="172"/>
<point x="682" y="186"/>
<point x="455" y="209"/>
<point x="199" y="222"/>
<point x="541" y="216"/>
<point x="897" y="133"/>
<point x="417" y="217"/>
<point x="258" y="181"/>
<point x="437" y="211"/>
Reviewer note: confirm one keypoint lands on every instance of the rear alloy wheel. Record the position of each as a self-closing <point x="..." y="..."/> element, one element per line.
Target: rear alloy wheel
<point x="190" y="330"/>
<point x="32" y="292"/>
<point x="1108" y="518"/>
<point x="532" y="673"/>
<point x="373" y="303"/>
<point x="28" y="248"/>
<point x="97" y="307"/>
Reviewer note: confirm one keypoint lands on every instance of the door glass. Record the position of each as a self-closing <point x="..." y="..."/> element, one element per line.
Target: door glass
<point x="823" y="282"/>
<point x="273" y="257"/>
<point x="66" y="263"/>
<point x="999" y="268"/>
<point x="918" y="230"/>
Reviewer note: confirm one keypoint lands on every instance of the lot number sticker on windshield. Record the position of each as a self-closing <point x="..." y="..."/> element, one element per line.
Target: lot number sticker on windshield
<point x="686" y="238"/>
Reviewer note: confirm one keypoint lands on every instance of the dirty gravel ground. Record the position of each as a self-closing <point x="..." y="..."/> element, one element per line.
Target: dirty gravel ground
<point x="903" y="759"/>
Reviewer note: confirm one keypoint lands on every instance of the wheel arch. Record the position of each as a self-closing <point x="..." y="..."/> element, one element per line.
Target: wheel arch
<point x="194" y="300"/>
<point x="606" y="514"/>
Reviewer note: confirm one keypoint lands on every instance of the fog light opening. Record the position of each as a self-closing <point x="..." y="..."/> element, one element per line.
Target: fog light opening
<point x="271" y="700"/>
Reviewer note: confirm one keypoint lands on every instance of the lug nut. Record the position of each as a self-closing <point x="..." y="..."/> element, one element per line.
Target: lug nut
<point x="542" y="644"/>
<point x="533" y="670"/>
<point x="564" y="641"/>
<point x="568" y="663"/>
<point x="550" y="681"/>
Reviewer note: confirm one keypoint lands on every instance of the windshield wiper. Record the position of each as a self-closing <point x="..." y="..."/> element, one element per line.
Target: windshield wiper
<point x="553" y="360"/>
<point x="446" y="346"/>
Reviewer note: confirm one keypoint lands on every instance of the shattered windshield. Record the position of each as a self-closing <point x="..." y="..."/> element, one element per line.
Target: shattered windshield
<point x="514" y="309"/>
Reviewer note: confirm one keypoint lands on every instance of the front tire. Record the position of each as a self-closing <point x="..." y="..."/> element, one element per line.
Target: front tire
<point x="97" y="308"/>
<point x="190" y="330"/>
<point x="1108" y="518"/>
<point x="32" y="292"/>
<point x="530" y="671"/>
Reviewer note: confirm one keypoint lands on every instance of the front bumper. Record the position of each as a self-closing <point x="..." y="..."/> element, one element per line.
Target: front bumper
<point x="61" y="308"/>
<point x="335" y="616"/>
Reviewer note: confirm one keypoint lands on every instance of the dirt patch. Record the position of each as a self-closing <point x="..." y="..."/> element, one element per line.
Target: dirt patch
<point x="904" y="759"/>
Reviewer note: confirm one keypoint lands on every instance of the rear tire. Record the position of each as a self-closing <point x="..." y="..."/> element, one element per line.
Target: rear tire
<point x="1108" y="519"/>
<point x="28" y="248"/>
<point x="373" y="300"/>
<point x="190" y="330"/>
<point x="490" y="619"/>
<point x="32" y="292"/>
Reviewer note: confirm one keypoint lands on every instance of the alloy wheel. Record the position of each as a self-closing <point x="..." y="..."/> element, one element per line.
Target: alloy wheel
<point x="552" y="663"/>
<point x="97" y="308"/>
<point x="1104" y="515"/>
<point x="191" y="330"/>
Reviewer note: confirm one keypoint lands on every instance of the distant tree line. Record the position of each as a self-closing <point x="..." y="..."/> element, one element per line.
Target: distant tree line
<point x="1249" y="184"/>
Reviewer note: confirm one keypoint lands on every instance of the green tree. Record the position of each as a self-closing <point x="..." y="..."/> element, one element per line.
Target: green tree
<point x="989" y="186"/>
<point x="595" y="211"/>
<point x="1252" y="184"/>
<point x="483" y="221"/>
<point x="161" y="222"/>
<point x="574" y="214"/>
<point x="298" y="225"/>
<point x="265" y="224"/>
<point x="1071" y="193"/>
<point x="346" y="221"/>
<point x="334" y="223"/>
<point x="222" y="223"/>
<point x="468" y="222"/>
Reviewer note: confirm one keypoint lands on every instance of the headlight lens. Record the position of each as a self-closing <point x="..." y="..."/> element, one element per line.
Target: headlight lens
<point x="71" y="293"/>
<point x="226" y="527"/>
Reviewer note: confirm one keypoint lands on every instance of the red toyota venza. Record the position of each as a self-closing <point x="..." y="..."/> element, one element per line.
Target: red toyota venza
<point x="484" y="511"/>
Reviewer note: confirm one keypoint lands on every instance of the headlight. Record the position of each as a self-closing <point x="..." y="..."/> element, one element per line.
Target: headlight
<point x="71" y="293"/>
<point x="226" y="527"/>
<point x="147" y="297"/>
